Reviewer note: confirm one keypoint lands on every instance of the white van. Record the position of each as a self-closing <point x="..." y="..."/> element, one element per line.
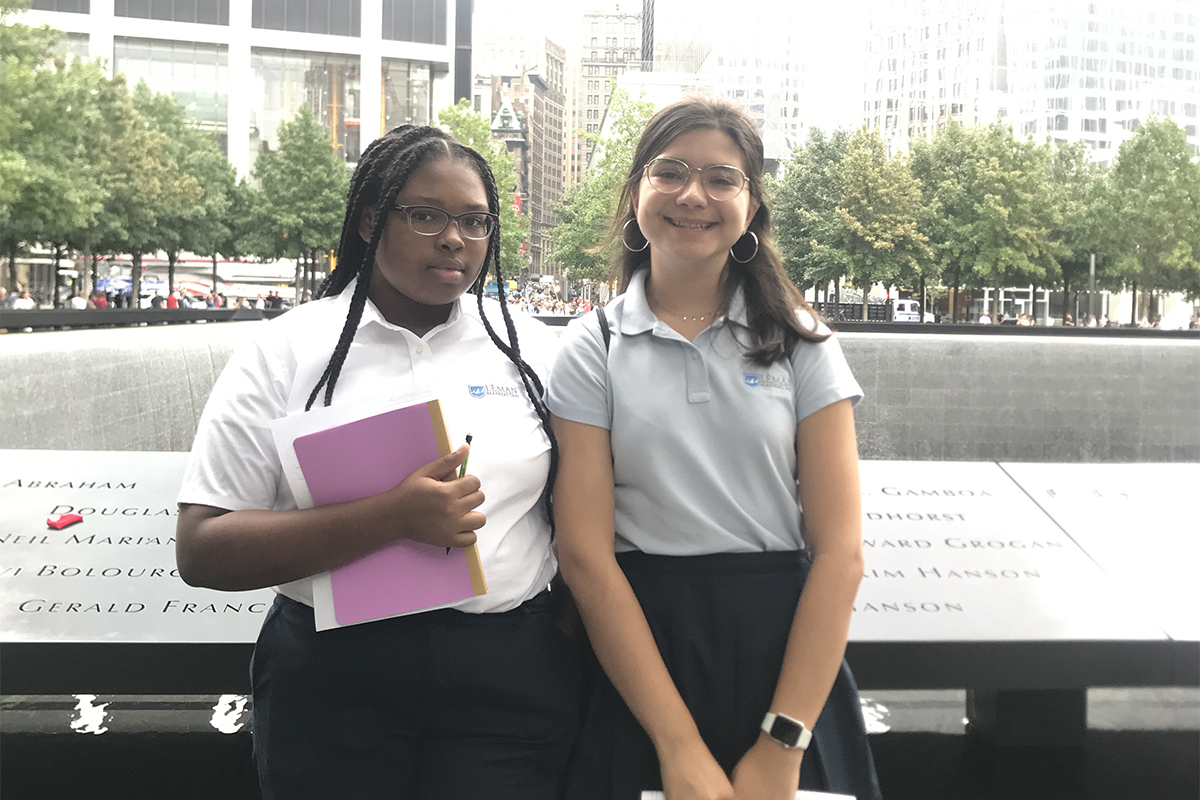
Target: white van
<point x="906" y="311"/>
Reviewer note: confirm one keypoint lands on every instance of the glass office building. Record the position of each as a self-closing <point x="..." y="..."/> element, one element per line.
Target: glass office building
<point x="241" y="67"/>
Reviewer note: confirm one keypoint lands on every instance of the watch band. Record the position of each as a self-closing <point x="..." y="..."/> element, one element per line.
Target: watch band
<point x="788" y="733"/>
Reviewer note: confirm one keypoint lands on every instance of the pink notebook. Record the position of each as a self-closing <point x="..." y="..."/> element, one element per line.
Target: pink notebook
<point x="369" y="456"/>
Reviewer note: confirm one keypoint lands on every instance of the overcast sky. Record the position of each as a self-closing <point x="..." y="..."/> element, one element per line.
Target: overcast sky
<point x="835" y="30"/>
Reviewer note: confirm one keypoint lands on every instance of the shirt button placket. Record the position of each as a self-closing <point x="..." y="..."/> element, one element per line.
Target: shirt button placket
<point x="422" y="361"/>
<point x="697" y="378"/>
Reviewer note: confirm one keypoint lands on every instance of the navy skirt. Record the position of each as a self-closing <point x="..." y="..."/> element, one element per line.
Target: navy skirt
<point x="721" y="623"/>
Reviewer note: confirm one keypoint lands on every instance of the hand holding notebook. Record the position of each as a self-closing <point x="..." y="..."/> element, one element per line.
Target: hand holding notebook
<point x="330" y="456"/>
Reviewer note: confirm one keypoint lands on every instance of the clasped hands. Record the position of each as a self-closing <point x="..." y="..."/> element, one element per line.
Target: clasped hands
<point x="766" y="772"/>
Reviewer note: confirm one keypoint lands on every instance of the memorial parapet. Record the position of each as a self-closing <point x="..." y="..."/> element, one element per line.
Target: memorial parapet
<point x="969" y="582"/>
<point x="98" y="606"/>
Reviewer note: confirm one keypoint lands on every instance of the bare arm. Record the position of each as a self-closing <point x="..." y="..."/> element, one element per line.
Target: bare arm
<point x="827" y="466"/>
<point x="583" y="511"/>
<point x="238" y="550"/>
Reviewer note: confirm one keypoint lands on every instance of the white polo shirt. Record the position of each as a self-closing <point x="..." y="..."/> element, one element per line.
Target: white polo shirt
<point x="234" y="463"/>
<point x="703" y="439"/>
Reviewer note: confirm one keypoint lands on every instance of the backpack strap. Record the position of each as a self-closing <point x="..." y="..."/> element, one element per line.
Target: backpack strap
<point x="602" y="318"/>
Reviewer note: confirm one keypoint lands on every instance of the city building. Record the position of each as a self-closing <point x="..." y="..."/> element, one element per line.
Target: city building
<point x="240" y="67"/>
<point x="1064" y="69"/>
<point x="547" y="157"/>
<point x="608" y="45"/>
<point x="757" y="58"/>
<point x="534" y="89"/>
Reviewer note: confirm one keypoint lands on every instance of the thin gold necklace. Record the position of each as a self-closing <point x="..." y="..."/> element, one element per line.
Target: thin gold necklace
<point x="684" y="317"/>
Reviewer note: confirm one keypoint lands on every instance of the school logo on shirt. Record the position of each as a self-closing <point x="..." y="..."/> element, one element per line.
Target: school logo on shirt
<point x="754" y="380"/>
<point x="493" y="390"/>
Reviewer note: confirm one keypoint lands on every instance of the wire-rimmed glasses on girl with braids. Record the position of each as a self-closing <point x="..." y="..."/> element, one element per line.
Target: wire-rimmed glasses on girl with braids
<point x="430" y="221"/>
<point x="720" y="181"/>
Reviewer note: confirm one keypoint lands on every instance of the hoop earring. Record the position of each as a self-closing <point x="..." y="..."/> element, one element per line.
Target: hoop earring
<point x="624" y="230"/>
<point x="749" y="258"/>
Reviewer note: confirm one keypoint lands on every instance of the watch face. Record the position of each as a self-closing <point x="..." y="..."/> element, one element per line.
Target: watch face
<point x="785" y="731"/>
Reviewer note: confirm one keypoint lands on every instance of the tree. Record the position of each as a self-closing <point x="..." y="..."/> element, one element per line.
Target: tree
<point x="471" y="129"/>
<point x="580" y="240"/>
<point x="877" y="237"/>
<point x="181" y="208"/>
<point x="988" y="207"/>
<point x="1014" y="211"/>
<point x="48" y="185"/>
<point x="1153" y="220"/>
<point x="1077" y="183"/>
<point x="303" y="198"/>
<point x="212" y="229"/>
<point x="804" y="201"/>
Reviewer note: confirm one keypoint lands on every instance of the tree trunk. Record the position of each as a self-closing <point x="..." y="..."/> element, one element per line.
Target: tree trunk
<point x="313" y="261"/>
<point x="298" y="278"/>
<point x="57" y="298"/>
<point x="1066" y="295"/>
<point x="172" y="257"/>
<point x="214" y="275"/>
<point x="865" y="297"/>
<point x="135" y="282"/>
<point x="837" y="298"/>
<point x="1133" y="314"/>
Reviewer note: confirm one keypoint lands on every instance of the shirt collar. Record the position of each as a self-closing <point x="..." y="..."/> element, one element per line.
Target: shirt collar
<point x="638" y="318"/>
<point x="373" y="316"/>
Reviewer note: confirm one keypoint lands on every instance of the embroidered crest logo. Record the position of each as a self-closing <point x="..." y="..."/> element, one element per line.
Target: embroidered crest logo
<point x="751" y="379"/>
<point x="477" y="391"/>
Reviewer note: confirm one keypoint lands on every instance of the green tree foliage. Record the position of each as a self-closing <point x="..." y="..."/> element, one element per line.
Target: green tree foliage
<point x="302" y="202"/>
<point x="989" y="207"/>
<point x="21" y="48"/>
<point x="48" y="186"/>
<point x="476" y="133"/>
<point x="581" y="240"/>
<point x="1015" y="211"/>
<point x="877" y="237"/>
<point x="803" y="207"/>
<point x="1153" y="211"/>
<point x="180" y="212"/>
<point x="1078" y="186"/>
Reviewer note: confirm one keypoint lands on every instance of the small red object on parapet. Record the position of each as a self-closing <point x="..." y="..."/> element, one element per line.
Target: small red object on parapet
<point x="60" y="521"/>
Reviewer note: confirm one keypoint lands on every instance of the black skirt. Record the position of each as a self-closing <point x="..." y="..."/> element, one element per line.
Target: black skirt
<point x="721" y="623"/>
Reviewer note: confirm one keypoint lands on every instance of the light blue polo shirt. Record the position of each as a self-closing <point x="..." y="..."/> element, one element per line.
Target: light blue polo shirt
<point x="703" y="439"/>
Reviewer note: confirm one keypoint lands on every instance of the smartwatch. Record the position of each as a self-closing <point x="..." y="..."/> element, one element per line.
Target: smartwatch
<point x="786" y="732"/>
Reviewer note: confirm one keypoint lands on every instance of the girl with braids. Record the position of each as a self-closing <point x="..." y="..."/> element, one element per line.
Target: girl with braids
<point x="712" y="400"/>
<point x="477" y="700"/>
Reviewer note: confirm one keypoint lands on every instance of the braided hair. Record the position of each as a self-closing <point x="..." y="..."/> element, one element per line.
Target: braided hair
<point x="382" y="171"/>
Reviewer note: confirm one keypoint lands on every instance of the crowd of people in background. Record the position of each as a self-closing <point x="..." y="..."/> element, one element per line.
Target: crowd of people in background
<point x="20" y="298"/>
<point x="539" y="299"/>
<point x="533" y="299"/>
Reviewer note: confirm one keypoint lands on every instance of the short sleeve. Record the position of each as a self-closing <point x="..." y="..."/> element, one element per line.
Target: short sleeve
<point x="234" y="463"/>
<point x="822" y="376"/>
<point x="578" y="385"/>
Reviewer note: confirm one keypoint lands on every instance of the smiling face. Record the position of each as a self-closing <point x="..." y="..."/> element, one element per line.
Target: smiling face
<point x="689" y="228"/>
<point x="416" y="279"/>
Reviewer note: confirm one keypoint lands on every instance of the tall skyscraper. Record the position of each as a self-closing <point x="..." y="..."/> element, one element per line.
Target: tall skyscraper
<point x="547" y="163"/>
<point x="1068" y="69"/>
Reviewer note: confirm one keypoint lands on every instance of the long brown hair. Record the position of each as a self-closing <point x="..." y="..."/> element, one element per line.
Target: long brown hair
<point x="772" y="300"/>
